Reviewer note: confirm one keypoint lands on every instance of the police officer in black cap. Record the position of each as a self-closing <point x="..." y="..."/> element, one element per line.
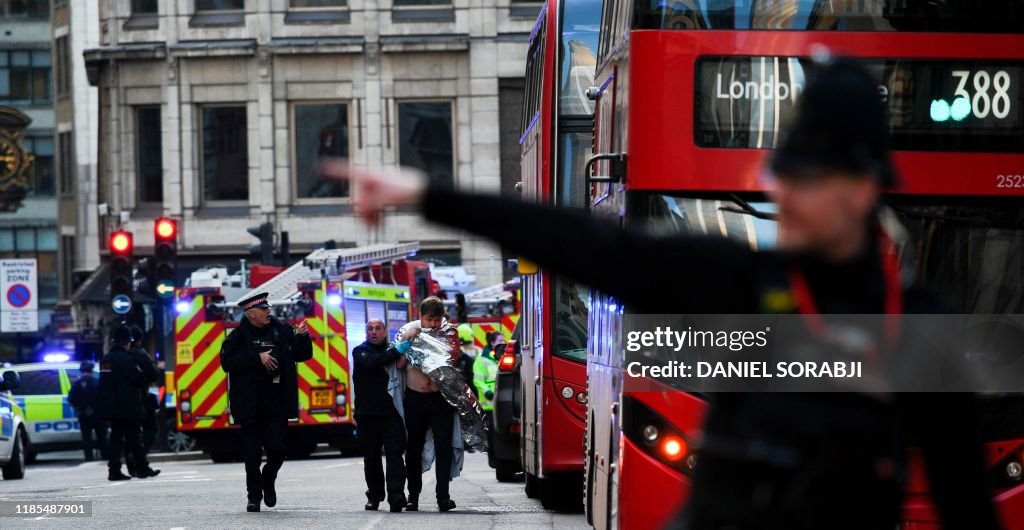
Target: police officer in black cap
<point x="82" y="397"/>
<point x="769" y="460"/>
<point x="122" y="380"/>
<point x="259" y="358"/>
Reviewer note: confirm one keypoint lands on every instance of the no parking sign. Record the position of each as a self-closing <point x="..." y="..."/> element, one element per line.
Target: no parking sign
<point x="19" y="303"/>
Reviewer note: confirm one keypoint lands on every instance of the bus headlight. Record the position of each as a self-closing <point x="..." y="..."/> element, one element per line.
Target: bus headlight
<point x="1014" y="470"/>
<point x="650" y="433"/>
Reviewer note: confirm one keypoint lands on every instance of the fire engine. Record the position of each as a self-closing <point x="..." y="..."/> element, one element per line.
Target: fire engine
<point x="335" y="291"/>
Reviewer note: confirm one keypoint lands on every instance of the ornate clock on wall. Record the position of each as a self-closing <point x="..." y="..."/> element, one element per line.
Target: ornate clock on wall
<point x="15" y="161"/>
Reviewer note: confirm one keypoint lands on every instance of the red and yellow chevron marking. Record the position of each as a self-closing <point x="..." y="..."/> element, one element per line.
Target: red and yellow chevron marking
<point x="197" y="367"/>
<point x="506" y="325"/>
<point x="329" y="365"/>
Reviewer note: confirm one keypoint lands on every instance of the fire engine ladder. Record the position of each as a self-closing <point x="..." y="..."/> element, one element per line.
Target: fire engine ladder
<point x="489" y="295"/>
<point x="324" y="263"/>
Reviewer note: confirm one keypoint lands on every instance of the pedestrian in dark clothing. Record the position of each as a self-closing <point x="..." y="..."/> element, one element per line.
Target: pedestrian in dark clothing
<point x="848" y="449"/>
<point x="150" y="427"/>
<point x="259" y="358"/>
<point x="82" y="397"/>
<point x="379" y="424"/>
<point x="122" y="378"/>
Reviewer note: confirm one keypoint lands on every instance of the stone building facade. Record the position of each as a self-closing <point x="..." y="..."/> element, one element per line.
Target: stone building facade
<point x="214" y="112"/>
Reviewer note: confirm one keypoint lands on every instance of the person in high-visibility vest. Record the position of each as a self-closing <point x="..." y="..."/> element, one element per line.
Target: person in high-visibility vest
<point x="485" y="375"/>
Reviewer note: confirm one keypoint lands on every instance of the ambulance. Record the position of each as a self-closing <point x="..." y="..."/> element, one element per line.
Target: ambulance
<point x="335" y="291"/>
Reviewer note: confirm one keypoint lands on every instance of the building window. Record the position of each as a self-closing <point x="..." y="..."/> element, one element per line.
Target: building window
<point x="425" y="138"/>
<point x="406" y="3"/>
<point x="25" y="8"/>
<point x="322" y="4"/>
<point x="63" y="70"/>
<point x="25" y="77"/>
<point x="65" y="159"/>
<point x="42" y="179"/>
<point x="321" y="129"/>
<point x="144" y="7"/>
<point x="220" y="5"/>
<point x="67" y="265"/>
<point x="225" y="153"/>
<point x="149" y="158"/>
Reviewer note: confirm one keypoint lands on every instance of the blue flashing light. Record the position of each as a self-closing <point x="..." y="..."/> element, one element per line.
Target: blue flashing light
<point x="334" y="300"/>
<point x="182" y="306"/>
<point x="56" y="358"/>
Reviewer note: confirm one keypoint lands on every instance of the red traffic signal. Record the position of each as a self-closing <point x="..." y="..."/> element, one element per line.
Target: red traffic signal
<point x="165" y="228"/>
<point x="121" y="242"/>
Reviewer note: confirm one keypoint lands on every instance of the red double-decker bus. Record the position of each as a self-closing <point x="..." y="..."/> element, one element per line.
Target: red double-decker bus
<point x="554" y="147"/>
<point x="691" y="97"/>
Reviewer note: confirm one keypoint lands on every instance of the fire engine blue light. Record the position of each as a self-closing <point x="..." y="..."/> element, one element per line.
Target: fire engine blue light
<point x="334" y="300"/>
<point x="56" y="358"/>
<point x="182" y="306"/>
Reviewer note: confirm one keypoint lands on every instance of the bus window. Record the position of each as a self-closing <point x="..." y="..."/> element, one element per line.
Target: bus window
<point x="950" y="16"/>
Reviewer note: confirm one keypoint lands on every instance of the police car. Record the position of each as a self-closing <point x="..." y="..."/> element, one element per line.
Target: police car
<point x="50" y="421"/>
<point x="13" y="440"/>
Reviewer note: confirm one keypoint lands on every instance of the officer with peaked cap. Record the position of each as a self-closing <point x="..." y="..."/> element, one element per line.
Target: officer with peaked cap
<point x="259" y="358"/>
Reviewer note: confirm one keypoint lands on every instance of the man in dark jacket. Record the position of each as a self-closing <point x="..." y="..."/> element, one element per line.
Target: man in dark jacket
<point x="149" y="422"/>
<point x="259" y="358"/>
<point x="830" y="170"/>
<point x="82" y="397"/>
<point x="378" y="420"/>
<point x="122" y="379"/>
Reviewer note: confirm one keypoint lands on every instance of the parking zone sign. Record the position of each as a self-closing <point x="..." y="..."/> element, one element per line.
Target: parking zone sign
<point x="19" y="301"/>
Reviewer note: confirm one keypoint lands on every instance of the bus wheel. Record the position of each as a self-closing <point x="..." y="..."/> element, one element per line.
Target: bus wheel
<point x="532" y="486"/>
<point x="562" y="492"/>
<point x="507" y="470"/>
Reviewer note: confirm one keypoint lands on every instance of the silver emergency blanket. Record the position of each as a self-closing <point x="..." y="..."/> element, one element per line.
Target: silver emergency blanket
<point x="431" y="352"/>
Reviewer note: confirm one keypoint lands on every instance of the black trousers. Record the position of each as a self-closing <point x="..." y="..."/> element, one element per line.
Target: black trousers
<point x="126" y="435"/>
<point x="91" y="427"/>
<point x="150" y="427"/>
<point x="425" y="411"/>
<point x="267" y="432"/>
<point x="375" y="433"/>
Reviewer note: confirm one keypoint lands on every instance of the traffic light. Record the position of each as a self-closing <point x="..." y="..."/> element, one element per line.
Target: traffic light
<point x="265" y="248"/>
<point x="121" y="270"/>
<point x="165" y="256"/>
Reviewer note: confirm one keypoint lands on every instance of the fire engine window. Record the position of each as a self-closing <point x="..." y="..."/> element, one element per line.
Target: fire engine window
<point x="321" y="130"/>
<point x="425" y="138"/>
<point x="38" y="383"/>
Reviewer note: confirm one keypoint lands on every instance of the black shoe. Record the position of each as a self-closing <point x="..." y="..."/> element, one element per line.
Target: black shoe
<point x="269" y="496"/>
<point x="446" y="505"/>
<point x="398" y="503"/>
<point x="371" y="506"/>
<point x="131" y="472"/>
<point x="413" y="505"/>
<point x="252" y="506"/>
<point x="146" y="472"/>
<point x="117" y="475"/>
